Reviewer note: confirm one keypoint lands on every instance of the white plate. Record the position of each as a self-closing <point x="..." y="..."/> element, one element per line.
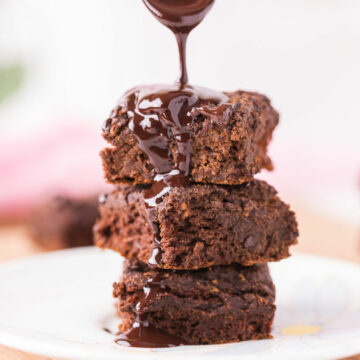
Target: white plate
<point x="58" y="304"/>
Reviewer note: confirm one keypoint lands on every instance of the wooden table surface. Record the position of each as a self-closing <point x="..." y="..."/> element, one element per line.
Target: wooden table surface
<point x="319" y="235"/>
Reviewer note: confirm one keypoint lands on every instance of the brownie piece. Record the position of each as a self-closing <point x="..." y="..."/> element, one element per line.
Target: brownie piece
<point x="199" y="225"/>
<point x="208" y="306"/>
<point x="223" y="152"/>
<point x="64" y="222"/>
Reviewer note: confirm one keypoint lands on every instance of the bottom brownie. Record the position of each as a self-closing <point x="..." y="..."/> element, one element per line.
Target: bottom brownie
<point x="208" y="306"/>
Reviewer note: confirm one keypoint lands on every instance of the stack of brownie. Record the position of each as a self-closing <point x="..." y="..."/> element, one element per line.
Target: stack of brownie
<point x="204" y="276"/>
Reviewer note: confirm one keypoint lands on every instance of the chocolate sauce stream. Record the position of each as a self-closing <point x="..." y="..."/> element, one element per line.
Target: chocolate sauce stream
<point x="180" y="16"/>
<point x="160" y="118"/>
<point x="181" y="40"/>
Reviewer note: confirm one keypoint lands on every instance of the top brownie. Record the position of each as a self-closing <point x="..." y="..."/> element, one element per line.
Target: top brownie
<point x="227" y="151"/>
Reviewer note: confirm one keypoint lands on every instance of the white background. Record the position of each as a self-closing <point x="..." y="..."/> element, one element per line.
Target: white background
<point x="80" y="55"/>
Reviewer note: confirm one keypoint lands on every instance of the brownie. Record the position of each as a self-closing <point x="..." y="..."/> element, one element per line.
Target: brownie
<point x="64" y="222"/>
<point x="214" y="305"/>
<point x="227" y="151"/>
<point x="199" y="225"/>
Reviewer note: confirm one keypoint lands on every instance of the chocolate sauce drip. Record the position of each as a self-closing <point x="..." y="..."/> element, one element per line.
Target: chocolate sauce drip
<point x="160" y="118"/>
<point x="142" y="334"/>
<point x="180" y="16"/>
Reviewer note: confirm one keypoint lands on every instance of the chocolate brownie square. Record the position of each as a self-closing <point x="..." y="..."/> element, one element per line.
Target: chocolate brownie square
<point x="215" y="305"/>
<point x="64" y="222"/>
<point x="226" y="151"/>
<point x="198" y="226"/>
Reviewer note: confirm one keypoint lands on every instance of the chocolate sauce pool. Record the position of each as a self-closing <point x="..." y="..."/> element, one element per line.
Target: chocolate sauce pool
<point x="160" y="119"/>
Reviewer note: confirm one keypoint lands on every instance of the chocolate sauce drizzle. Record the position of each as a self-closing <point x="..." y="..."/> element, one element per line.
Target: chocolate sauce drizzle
<point x="160" y="118"/>
<point x="161" y="115"/>
<point x="142" y="334"/>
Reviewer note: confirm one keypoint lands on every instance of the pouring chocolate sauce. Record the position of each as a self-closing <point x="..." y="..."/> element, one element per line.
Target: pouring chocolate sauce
<point x="180" y="17"/>
<point x="160" y="116"/>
